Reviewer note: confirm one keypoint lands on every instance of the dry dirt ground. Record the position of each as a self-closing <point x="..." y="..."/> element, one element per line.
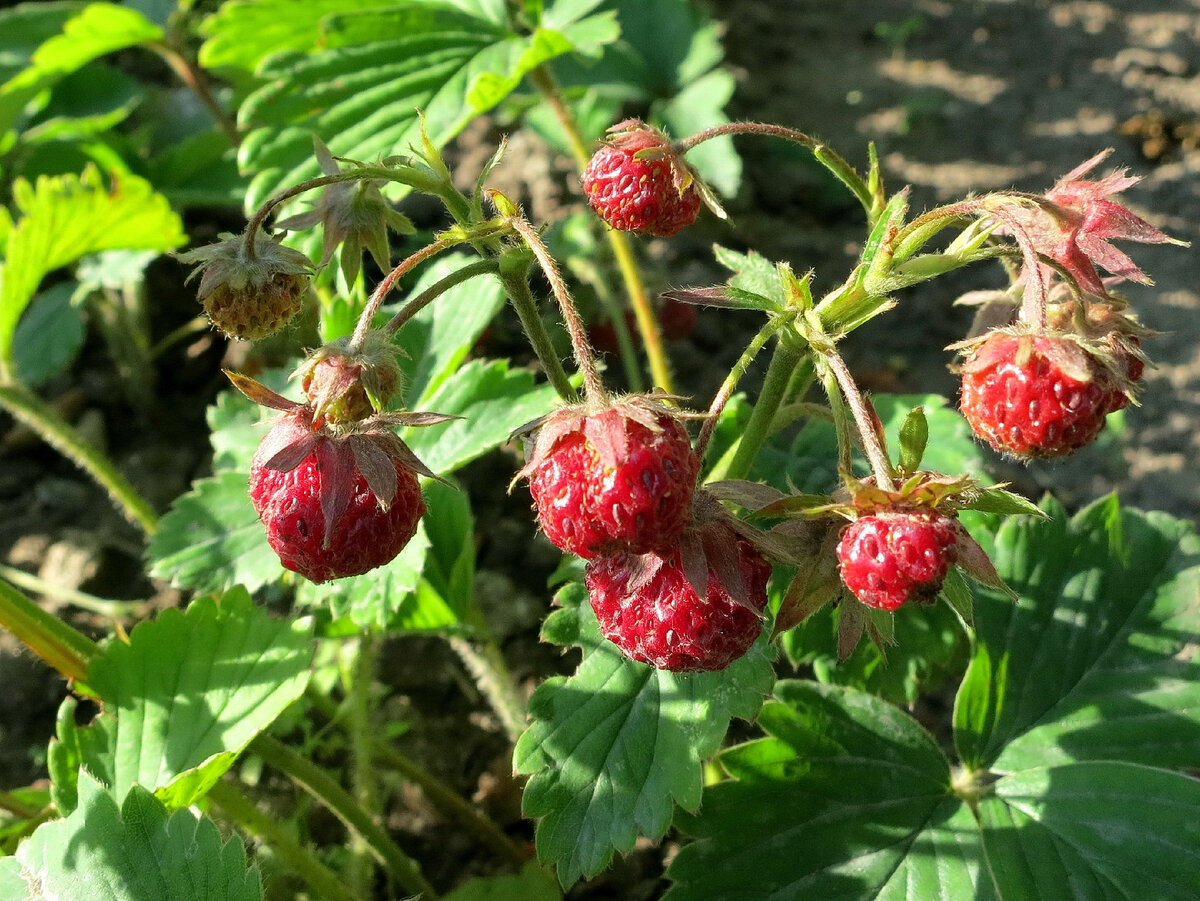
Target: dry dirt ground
<point x="973" y="95"/>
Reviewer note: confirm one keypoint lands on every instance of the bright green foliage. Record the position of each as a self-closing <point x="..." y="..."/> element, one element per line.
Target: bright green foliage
<point x="616" y="746"/>
<point x="356" y="75"/>
<point x="188" y="693"/>
<point x="1075" y="694"/>
<point x="62" y="219"/>
<point x="136" y="851"/>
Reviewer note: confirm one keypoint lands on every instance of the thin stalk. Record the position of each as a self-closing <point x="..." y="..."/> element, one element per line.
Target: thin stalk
<point x="516" y="286"/>
<point x="325" y="789"/>
<point x="114" y="610"/>
<point x="28" y="408"/>
<point x="823" y="152"/>
<point x="618" y="241"/>
<point x="872" y="442"/>
<point x="362" y="777"/>
<point x="442" y="796"/>
<point x="436" y="290"/>
<point x="193" y="76"/>
<point x="59" y="645"/>
<point x="384" y="287"/>
<point x="236" y="807"/>
<point x="14" y="805"/>
<point x="593" y="386"/>
<point x="784" y="360"/>
<point x="731" y="381"/>
<point x="486" y="664"/>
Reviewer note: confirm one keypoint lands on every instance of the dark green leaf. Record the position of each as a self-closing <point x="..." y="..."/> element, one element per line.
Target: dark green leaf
<point x="48" y="338"/>
<point x="847" y="797"/>
<point x="1098" y="659"/>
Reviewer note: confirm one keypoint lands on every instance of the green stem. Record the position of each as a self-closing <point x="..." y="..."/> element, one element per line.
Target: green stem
<point x="735" y="375"/>
<point x="323" y="787"/>
<point x="516" y="286"/>
<point x="622" y="250"/>
<point x="59" y="645"/>
<point x="823" y="152"/>
<point x="361" y="775"/>
<point x="384" y="287"/>
<point x="593" y="386"/>
<point x="235" y="806"/>
<point x="114" y="610"/>
<point x="25" y="406"/>
<point x="193" y="76"/>
<point x="439" y="794"/>
<point x="872" y="441"/>
<point x="784" y="360"/>
<point x="491" y="674"/>
<point x="436" y="290"/>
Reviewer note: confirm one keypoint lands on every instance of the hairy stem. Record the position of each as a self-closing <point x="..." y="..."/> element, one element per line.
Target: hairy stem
<point x="28" y="408"/>
<point x="823" y="152"/>
<point x="516" y="286"/>
<point x="193" y="76"/>
<point x="384" y="287"/>
<point x="619" y="242"/>
<point x="437" y="289"/>
<point x="235" y="806"/>
<point x="872" y="441"/>
<point x="362" y="778"/>
<point x="486" y="664"/>
<point x="593" y="386"/>
<point x="115" y="610"/>
<point x="62" y="647"/>
<point x="784" y="360"/>
<point x="324" y="788"/>
<point x="442" y="796"/>
<point x="731" y="381"/>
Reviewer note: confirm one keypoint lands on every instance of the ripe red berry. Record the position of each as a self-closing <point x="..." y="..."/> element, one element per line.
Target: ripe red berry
<point x="886" y="559"/>
<point x="1034" y="395"/>
<point x="647" y="607"/>
<point x="366" y="535"/>
<point x="620" y="480"/>
<point x="639" y="195"/>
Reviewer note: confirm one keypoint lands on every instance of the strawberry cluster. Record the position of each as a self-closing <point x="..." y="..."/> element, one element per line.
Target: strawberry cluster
<point x="614" y="483"/>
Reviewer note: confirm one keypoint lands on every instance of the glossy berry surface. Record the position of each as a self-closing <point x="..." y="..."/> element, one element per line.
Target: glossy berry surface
<point x="637" y="501"/>
<point x="662" y="621"/>
<point x="1020" y="397"/>
<point x="638" y="195"/>
<point x="364" y="537"/>
<point x="887" y="559"/>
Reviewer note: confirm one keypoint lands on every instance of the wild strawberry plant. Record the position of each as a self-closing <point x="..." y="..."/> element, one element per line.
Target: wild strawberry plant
<point x="821" y="565"/>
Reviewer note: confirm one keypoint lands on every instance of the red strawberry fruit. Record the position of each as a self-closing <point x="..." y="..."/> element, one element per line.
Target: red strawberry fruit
<point x="889" y="558"/>
<point x="638" y="184"/>
<point x="617" y="480"/>
<point x="1034" y="395"/>
<point x="648" y="608"/>
<point x="369" y="532"/>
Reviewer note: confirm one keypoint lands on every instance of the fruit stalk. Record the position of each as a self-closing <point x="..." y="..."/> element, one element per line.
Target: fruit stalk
<point x="721" y="398"/>
<point x="786" y="357"/>
<point x="437" y="289"/>
<point x="864" y="420"/>
<point x="384" y="287"/>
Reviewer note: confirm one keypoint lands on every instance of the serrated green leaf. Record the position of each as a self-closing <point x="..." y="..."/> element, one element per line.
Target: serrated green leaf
<point x="188" y="692"/>
<point x="211" y="539"/>
<point x="753" y="273"/>
<point x="997" y="500"/>
<point x="135" y="853"/>
<point x="493" y="401"/>
<point x="99" y="28"/>
<point x="1098" y="659"/>
<point x="360" y="87"/>
<point x="1093" y="830"/>
<point x="615" y="747"/>
<point x="66" y="217"/>
<point x="25" y="27"/>
<point x="386" y="597"/>
<point x="847" y="797"/>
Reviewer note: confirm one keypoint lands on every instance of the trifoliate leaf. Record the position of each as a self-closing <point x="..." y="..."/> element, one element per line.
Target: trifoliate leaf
<point x="616" y="746"/>
<point x="188" y="692"/>
<point x="135" y="852"/>
<point x="1098" y="659"/>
